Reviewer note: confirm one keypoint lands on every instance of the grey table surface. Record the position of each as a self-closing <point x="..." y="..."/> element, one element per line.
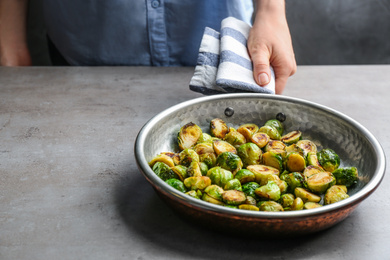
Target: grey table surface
<point x="70" y="187"/>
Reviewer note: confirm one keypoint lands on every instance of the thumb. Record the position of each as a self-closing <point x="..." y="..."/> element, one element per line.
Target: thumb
<point x="261" y="70"/>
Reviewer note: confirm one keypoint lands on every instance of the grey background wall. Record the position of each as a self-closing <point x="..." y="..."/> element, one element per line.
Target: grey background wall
<point x="323" y="31"/>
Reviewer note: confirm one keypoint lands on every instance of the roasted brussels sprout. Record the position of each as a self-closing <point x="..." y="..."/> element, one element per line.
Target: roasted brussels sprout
<point x="335" y="194"/>
<point x="312" y="159"/>
<point x="250" y="200"/>
<point x="292" y="137"/>
<point x="223" y="146"/>
<point x="260" y="139"/>
<point x="194" y="194"/>
<point x="249" y="188"/>
<point x="188" y="135"/>
<point x="214" y="191"/>
<point x="175" y="157"/>
<point x="210" y="159"/>
<point x="271" y="131"/>
<point x="230" y="161"/>
<point x="235" y="138"/>
<point x="311" y="170"/>
<point x="270" y="191"/>
<point x="297" y="204"/>
<point x="294" y="148"/>
<point x="197" y="183"/>
<point x="275" y="145"/>
<point x="203" y="168"/>
<point x="347" y="176"/>
<point x="245" y="176"/>
<point x="248" y="207"/>
<point x="269" y="206"/>
<point x="293" y="180"/>
<point x="306" y="195"/>
<point x="248" y="130"/>
<point x="162" y="158"/>
<point x="194" y="170"/>
<point x="328" y="159"/>
<point x="180" y="171"/>
<point x="163" y="171"/>
<point x="311" y="205"/>
<point x="273" y="159"/>
<point x="277" y="124"/>
<point x="250" y="154"/>
<point x="233" y="184"/>
<point x="210" y="199"/>
<point x="218" y="128"/>
<point x="203" y="148"/>
<point x="219" y="176"/>
<point x="177" y="184"/>
<point x="234" y="197"/>
<point x="282" y="184"/>
<point x="295" y="162"/>
<point x="262" y="171"/>
<point x="205" y="138"/>
<point x="307" y="146"/>
<point x="187" y="156"/>
<point x="286" y="200"/>
<point x="320" y="182"/>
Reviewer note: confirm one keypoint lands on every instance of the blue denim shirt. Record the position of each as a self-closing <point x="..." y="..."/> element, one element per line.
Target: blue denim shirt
<point x="136" y="32"/>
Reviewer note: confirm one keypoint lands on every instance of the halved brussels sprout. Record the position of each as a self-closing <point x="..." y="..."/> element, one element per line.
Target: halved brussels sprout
<point x="233" y="184"/>
<point x="249" y="188"/>
<point x="270" y="191"/>
<point x="311" y="170"/>
<point x="328" y="159"/>
<point x="277" y="124"/>
<point x="250" y="200"/>
<point x="347" y="176"/>
<point x="194" y="194"/>
<point x="245" y="176"/>
<point x="293" y="180"/>
<point x="187" y="156"/>
<point x="164" y="171"/>
<point x="210" y="199"/>
<point x="203" y="168"/>
<point x="193" y="170"/>
<point x="180" y="171"/>
<point x="188" y="135"/>
<point x="295" y="162"/>
<point x="214" y="191"/>
<point x="312" y="159"/>
<point x="275" y="145"/>
<point x="235" y="138"/>
<point x="250" y="154"/>
<point x="219" y="176"/>
<point x="282" y="184"/>
<point x="306" y="195"/>
<point x="234" y="197"/>
<point x="162" y="158"/>
<point x="175" y="157"/>
<point x="291" y="137"/>
<point x="260" y="139"/>
<point x="205" y="138"/>
<point x="262" y="171"/>
<point x="311" y="205"/>
<point x="218" y="128"/>
<point x="223" y="146"/>
<point x="197" y="183"/>
<point x="297" y="204"/>
<point x="248" y="130"/>
<point x="307" y="146"/>
<point x="271" y="131"/>
<point x="177" y="184"/>
<point x="320" y="182"/>
<point x="294" y="148"/>
<point x="230" y="161"/>
<point x="286" y="200"/>
<point x="210" y="159"/>
<point x="335" y="194"/>
<point x="203" y="148"/>
<point x="273" y="159"/>
<point x="248" y="207"/>
<point x="269" y="206"/>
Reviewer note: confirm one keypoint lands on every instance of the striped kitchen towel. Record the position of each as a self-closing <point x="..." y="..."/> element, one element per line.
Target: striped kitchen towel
<point x="224" y="65"/>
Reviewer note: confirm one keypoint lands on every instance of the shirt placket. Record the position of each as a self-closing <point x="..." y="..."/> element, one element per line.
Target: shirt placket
<point x="157" y="33"/>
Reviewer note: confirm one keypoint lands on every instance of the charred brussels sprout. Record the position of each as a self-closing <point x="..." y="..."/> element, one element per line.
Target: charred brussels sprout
<point x="262" y="171"/>
<point x="194" y="170"/>
<point x="203" y="148"/>
<point x="180" y="171"/>
<point x="271" y="131"/>
<point x="328" y="159"/>
<point x="235" y="138"/>
<point x="297" y="204"/>
<point x="245" y="176"/>
<point x="248" y="130"/>
<point x="210" y="159"/>
<point x="272" y="206"/>
<point x="295" y="162"/>
<point x="306" y="195"/>
<point x="188" y="156"/>
<point x="233" y="184"/>
<point x="188" y="135"/>
<point x="275" y="145"/>
<point x="210" y="199"/>
<point x="335" y="194"/>
<point x="218" y="128"/>
<point x="250" y="154"/>
<point x="286" y="200"/>
<point x="311" y="170"/>
<point x="277" y="124"/>
<point x="234" y="197"/>
<point x="205" y="138"/>
<point x="307" y="146"/>
<point x="312" y="159"/>
<point x="177" y="184"/>
<point x="197" y="183"/>
<point x="292" y="137"/>
<point x="273" y="159"/>
<point x="214" y="191"/>
<point x="230" y="162"/>
<point x="347" y="176"/>
<point x="249" y="188"/>
<point x="293" y="180"/>
<point x="223" y="146"/>
<point x="270" y="191"/>
<point x="294" y="148"/>
<point x="163" y="171"/>
<point x="162" y="158"/>
<point x="219" y="176"/>
<point x="260" y="139"/>
<point x="175" y="157"/>
<point x="320" y="182"/>
<point x="250" y="200"/>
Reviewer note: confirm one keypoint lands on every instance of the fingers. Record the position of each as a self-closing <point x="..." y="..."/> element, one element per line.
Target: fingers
<point x="261" y="70"/>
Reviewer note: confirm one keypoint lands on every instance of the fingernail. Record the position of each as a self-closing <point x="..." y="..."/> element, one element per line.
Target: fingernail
<point x="263" y="79"/>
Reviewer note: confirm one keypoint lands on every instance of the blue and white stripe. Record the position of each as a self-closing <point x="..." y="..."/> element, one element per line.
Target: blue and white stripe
<point x="223" y="64"/>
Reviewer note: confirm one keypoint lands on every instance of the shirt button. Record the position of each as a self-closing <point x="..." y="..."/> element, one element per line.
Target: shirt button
<point x="155" y="3"/>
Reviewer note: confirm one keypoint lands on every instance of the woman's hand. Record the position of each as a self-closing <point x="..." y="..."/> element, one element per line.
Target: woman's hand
<point x="269" y="42"/>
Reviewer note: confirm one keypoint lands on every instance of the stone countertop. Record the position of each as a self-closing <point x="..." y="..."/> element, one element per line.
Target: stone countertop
<point x="70" y="187"/>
